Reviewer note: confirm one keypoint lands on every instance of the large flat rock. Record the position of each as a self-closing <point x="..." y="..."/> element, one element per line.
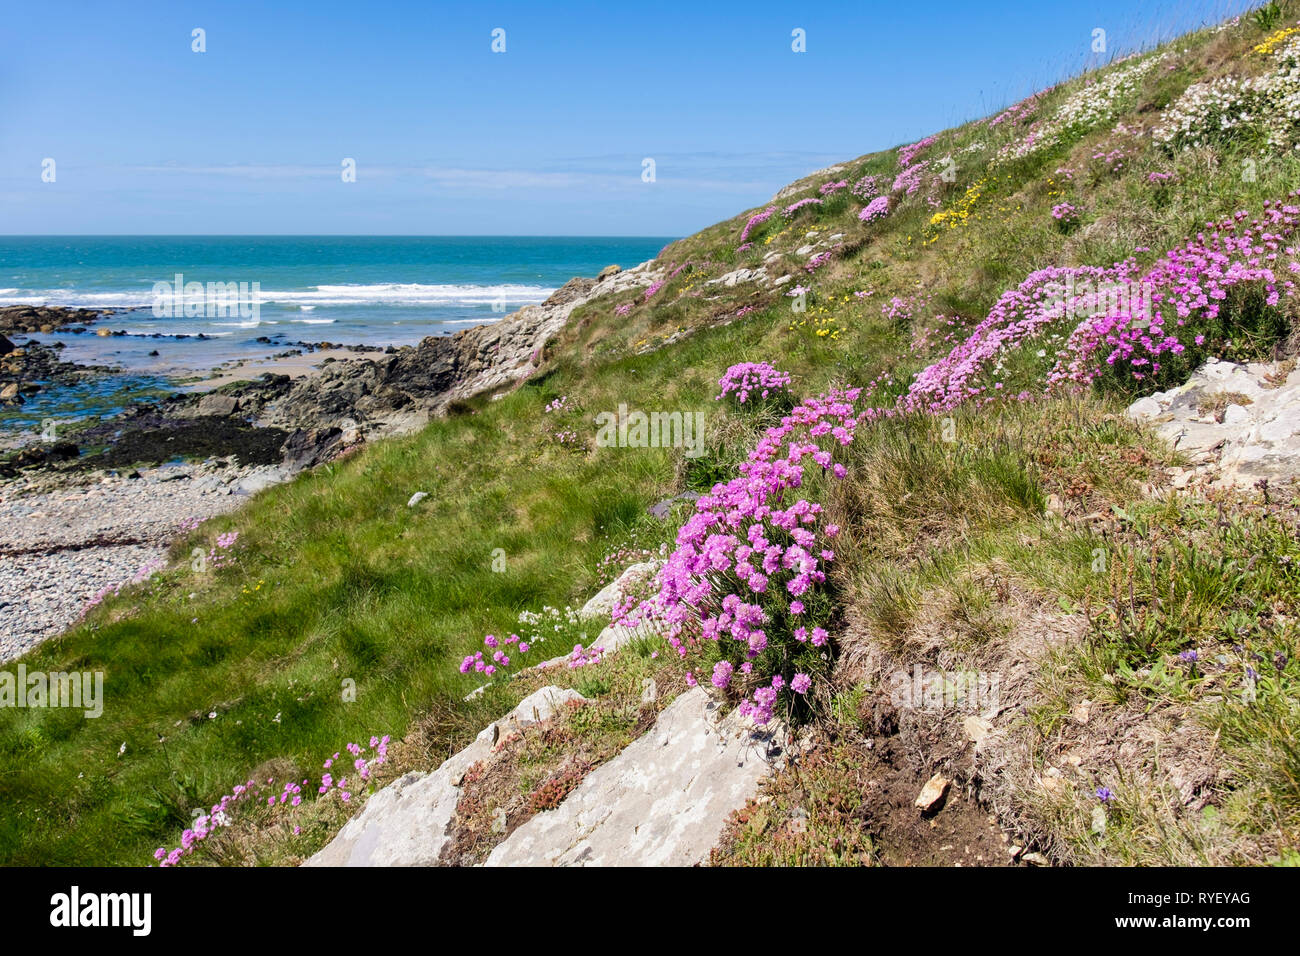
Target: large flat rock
<point x="663" y="801"/>
<point x="1258" y="435"/>
<point x="405" y="823"/>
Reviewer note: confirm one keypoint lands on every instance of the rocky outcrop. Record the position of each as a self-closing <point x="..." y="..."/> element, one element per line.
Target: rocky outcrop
<point x="732" y="279"/>
<point x="401" y="391"/>
<point x="39" y="318"/>
<point x="23" y="369"/>
<point x="1236" y="423"/>
<point x="663" y="801"/>
<point x="405" y="824"/>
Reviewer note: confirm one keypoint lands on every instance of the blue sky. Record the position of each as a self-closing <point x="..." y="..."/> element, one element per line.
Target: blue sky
<point x="547" y="138"/>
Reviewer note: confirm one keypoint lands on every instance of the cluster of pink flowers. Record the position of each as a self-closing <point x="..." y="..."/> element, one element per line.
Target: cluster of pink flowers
<point x="498" y="659"/>
<point x="653" y="289"/>
<point x="819" y="260"/>
<point x="1112" y="160"/>
<point x="142" y="574"/>
<point x="1018" y="113"/>
<point x="909" y="180"/>
<point x="1120" y="318"/>
<point x="827" y="189"/>
<point x="908" y="153"/>
<point x="748" y="572"/>
<point x="1159" y="179"/>
<point x="900" y="310"/>
<point x="557" y="405"/>
<point x="749" y="377"/>
<point x="794" y="207"/>
<point x="756" y="220"/>
<point x="864" y="188"/>
<point x="583" y="657"/>
<point x="205" y="825"/>
<point x="1064" y="212"/>
<point x="874" y="209"/>
<point x="623" y="309"/>
<point x="291" y="793"/>
<point x="1188" y="286"/>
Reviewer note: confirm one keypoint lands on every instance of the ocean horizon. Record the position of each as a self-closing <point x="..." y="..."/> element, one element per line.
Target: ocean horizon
<point x="355" y="290"/>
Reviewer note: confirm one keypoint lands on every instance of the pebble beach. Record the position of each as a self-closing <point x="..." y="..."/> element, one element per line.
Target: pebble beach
<point x="67" y="539"/>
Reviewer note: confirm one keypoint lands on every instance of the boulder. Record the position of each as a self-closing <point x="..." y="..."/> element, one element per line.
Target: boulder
<point x="405" y="823"/>
<point x="215" y="404"/>
<point x="306" y="449"/>
<point x="663" y="801"/>
<point x="1240" y="421"/>
<point x="6" y="346"/>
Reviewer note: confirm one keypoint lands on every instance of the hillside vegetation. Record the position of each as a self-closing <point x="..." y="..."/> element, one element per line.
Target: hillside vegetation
<point x="970" y="305"/>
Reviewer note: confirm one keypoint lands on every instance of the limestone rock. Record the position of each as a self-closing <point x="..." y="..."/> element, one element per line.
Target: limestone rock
<point x="1241" y="420"/>
<point x="600" y="609"/>
<point x="405" y="823"/>
<point x="602" y="605"/>
<point x="663" y="801"/>
<point x="732" y="279"/>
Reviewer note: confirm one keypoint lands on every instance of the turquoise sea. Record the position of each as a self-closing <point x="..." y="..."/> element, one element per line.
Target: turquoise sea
<point x="372" y="290"/>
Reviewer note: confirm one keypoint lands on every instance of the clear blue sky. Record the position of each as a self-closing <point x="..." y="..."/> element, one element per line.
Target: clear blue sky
<point x="547" y="138"/>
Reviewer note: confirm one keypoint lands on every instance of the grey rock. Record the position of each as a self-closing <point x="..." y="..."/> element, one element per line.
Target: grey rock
<point x="1259" y="436"/>
<point x="213" y="404"/>
<point x="405" y="823"/>
<point x="308" y="448"/>
<point x="259" y="479"/>
<point x="1144" y="408"/>
<point x="663" y="801"/>
<point x="735" y="278"/>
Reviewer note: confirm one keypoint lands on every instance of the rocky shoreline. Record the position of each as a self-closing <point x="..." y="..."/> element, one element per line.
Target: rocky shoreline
<point x="99" y="505"/>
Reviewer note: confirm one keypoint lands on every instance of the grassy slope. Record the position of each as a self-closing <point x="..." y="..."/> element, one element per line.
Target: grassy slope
<point x="337" y="579"/>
